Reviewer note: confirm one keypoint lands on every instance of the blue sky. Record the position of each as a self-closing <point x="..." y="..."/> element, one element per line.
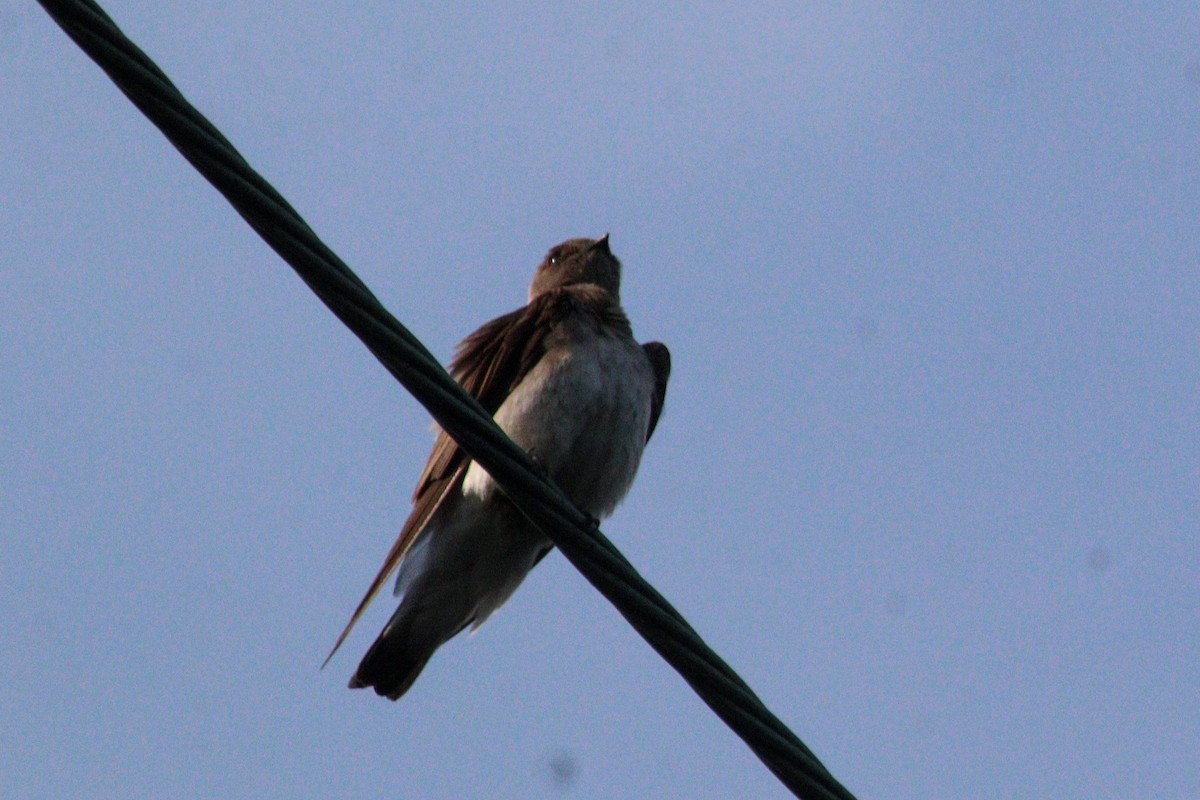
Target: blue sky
<point x="929" y="473"/>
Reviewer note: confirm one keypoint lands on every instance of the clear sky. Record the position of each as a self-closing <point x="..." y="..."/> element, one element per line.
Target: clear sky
<point x="929" y="471"/>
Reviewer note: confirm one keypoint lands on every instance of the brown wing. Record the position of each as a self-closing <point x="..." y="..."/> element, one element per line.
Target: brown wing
<point x="660" y="360"/>
<point x="488" y="365"/>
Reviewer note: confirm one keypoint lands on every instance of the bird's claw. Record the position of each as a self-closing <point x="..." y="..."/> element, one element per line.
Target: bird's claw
<point x="539" y="466"/>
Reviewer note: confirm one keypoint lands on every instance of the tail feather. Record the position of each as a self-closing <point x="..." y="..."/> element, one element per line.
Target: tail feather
<point x="391" y="666"/>
<point x="405" y="645"/>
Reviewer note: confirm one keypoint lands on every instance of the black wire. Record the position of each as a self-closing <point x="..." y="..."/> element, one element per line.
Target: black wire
<point x="411" y="363"/>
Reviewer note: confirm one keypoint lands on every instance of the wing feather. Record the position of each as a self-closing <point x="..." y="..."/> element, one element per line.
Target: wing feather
<point x="660" y="360"/>
<point x="488" y="365"/>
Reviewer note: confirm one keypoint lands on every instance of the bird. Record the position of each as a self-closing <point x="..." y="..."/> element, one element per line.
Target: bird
<point x="564" y="377"/>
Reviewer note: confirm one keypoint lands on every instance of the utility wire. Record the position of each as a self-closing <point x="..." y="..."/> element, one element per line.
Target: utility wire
<point x="270" y="215"/>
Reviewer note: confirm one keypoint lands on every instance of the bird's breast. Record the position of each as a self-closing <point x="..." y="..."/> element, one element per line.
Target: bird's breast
<point x="582" y="413"/>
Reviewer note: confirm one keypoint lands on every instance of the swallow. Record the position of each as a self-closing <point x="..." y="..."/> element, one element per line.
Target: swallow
<point x="565" y="379"/>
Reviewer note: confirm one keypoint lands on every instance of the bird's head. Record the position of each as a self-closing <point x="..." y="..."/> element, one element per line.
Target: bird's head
<point x="578" y="261"/>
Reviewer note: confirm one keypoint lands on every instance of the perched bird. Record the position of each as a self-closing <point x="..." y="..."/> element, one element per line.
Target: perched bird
<point x="565" y="379"/>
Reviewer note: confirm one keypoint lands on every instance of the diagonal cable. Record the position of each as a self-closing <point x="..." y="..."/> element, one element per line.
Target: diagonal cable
<point x="270" y="215"/>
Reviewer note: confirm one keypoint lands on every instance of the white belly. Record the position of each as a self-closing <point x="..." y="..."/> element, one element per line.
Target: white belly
<point x="582" y="413"/>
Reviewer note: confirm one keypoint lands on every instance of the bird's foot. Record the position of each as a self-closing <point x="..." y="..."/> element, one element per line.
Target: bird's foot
<point x="538" y="465"/>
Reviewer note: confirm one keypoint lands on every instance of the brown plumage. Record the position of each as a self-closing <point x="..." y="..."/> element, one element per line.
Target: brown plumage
<point x="568" y="365"/>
